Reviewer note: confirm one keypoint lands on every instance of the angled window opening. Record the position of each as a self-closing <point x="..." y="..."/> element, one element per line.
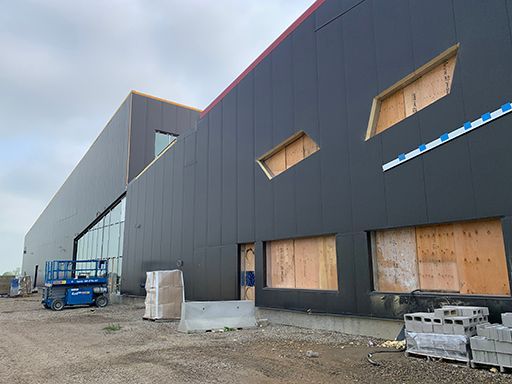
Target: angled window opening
<point x="414" y="92"/>
<point x="290" y="152"/>
<point x="163" y="140"/>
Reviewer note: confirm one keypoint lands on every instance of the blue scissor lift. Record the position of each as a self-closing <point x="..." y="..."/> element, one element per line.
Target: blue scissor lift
<point x="77" y="282"/>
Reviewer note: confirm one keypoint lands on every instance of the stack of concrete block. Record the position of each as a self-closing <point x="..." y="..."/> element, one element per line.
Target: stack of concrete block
<point x="447" y="320"/>
<point x="445" y="332"/>
<point x="493" y="343"/>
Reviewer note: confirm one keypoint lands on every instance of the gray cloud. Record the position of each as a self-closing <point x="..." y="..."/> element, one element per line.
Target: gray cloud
<point x="67" y="65"/>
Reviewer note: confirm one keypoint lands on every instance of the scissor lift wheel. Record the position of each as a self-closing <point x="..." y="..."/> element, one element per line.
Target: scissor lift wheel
<point x="57" y="304"/>
<point x="101" y="301"/>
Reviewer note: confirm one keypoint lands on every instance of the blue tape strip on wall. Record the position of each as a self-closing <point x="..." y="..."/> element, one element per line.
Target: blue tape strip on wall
<point x="446" y="137"/>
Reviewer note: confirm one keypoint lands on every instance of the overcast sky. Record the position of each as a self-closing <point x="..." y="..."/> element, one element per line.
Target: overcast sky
<point x="66" y="66"/>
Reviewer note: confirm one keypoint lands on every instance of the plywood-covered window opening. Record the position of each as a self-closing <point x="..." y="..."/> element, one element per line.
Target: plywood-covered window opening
<point x="306" y="263"/>
<point x="418" y="90"/>
<point x="290" y="152"/>
<point x="462" y="257"/>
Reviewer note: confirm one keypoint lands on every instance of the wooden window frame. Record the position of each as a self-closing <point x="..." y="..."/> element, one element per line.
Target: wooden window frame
<point x="401" y="84"/>
<point x="261" y="161"/>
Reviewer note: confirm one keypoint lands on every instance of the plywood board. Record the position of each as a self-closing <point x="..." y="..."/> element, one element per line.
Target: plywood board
<point x="395" y="265"/>
<point x="481" y="258"/>
<point x="328" y="264"/>
<point x="307" y="265"/>
<point x="392" y="110"/>
<point x="437" y="261"/>
<point x="276" y="163"/>
<point x="247" y="264"/>
<point x="310" y="146"/>
<point x="280" y="264"/>
<point x="294" y="152"/>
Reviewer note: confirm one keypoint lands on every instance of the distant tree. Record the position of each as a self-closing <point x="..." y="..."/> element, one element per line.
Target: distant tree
<point x="16" y="272"/>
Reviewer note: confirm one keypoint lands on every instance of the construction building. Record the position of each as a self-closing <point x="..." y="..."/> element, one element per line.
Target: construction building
<point x="361" y="165"/>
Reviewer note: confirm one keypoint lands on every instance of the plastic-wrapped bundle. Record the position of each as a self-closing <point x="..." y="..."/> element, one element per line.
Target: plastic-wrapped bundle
<point x="454" y="347"/>
<point x="164" y="295"/>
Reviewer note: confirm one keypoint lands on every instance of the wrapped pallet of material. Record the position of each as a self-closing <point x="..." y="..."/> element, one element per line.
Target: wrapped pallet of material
<point x="164" y="295"/>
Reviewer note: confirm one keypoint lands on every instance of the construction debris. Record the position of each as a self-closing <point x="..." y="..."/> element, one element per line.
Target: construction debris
<point x="20" y="286"/>
<point x="5" y="284"/>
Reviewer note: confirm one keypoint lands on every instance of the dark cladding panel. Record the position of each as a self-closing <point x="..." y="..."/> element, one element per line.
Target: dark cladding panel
<point x="282" y="96"/>
<point x="333" y="9"/>
<point x="245" y="160"/>
<point x="213" y="273"/>
<point x="167" y="205"/>
<point x="485" y="56"/>
<point x="333" y="140"/>
<point x="484" y="33"/>
<point x="367" y="180"/>
<point x="201" y="191"/>
<point x="432" y="29"/>
<point x="285" y="219"/>
<point x="230" y="282"/>
<point x="177" y="210"/>
<point x="188" y="186"/>
<point x="263" y="107"/>
<point x="305" y="84"/>
<point x="492" y="190"/>
<point x="214" y="176"/>
<point x="393" y="43"/>
<point x="229" y="170"/>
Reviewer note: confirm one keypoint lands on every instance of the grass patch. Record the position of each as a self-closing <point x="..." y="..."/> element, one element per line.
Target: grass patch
<point x="112" y="328"/>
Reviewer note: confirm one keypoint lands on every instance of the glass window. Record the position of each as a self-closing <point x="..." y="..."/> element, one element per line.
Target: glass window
<point x="105" y="241"/>
<point x="162" y="140"/>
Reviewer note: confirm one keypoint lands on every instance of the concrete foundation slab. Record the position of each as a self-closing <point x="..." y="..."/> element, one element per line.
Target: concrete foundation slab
<point x="353" y="325"/>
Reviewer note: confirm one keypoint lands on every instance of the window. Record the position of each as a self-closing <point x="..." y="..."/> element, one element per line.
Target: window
<point x="287" y="154"/>
<point x="104" y="241"/>
<point x="162" y="141"/>
<point x="306" y="263"/>
<point x="423" y="87"/>
<point x="462" y="257"/>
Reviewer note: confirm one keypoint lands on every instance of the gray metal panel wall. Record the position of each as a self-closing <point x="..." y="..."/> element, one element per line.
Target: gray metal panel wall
<point x="322" y="79"/>
<point x="96" y="182"/>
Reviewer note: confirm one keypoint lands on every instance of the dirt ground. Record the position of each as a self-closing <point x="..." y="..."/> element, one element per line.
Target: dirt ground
<point x="72" y="346"/>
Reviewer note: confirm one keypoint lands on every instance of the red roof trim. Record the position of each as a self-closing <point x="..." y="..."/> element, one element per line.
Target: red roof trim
<point x="265" y="53"/>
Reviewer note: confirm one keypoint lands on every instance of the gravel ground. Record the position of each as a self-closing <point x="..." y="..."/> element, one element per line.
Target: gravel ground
<point x="41" y="346"/>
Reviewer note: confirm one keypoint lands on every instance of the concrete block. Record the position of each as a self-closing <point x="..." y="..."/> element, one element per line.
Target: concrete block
<point x="413" y="322"/>
<point x="491" y="357"/>
<point x="467" y="310"/>
<point x="493" y="331"/>
<point x="481" y="330"/>
<point x="503" y="347"/>
<point x="504" y="334"/>
<point x="479" y="356"/>
<point x="505" y="360"/>
<point x="438" y="325"/>
<point x="448" y="326"/>
<point x="441" y="313"/>
<point x="506" y="319"/>
<point x="200" y="316"/>
<point x="481" y="343"/>
<point x="428" y="323"/>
